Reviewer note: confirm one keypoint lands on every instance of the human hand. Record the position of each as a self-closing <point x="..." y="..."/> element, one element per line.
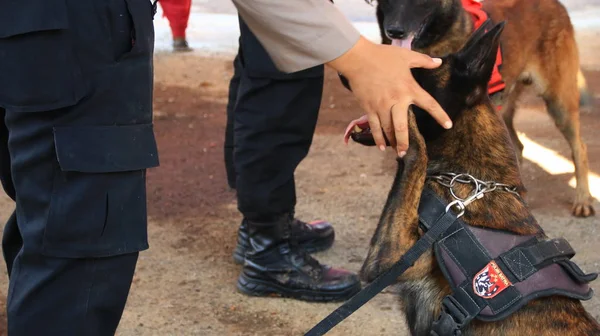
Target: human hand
<point x="381" y="80"/>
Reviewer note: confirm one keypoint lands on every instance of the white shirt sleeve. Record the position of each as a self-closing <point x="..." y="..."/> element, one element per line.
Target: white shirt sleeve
<point x="298" y="34"/>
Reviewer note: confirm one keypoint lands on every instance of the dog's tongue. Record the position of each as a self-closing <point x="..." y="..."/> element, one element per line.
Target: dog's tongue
<point x="404" y="43"/>
<point x="356" y="125"/>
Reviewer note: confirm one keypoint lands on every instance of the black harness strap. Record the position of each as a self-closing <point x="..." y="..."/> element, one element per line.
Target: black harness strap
<point x="526" y="260"/>
<point x="576" y="272"/>
<point x="387" y="278"/>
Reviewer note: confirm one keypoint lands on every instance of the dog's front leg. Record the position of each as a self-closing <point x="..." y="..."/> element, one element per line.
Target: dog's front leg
<point x="397" y="229"/>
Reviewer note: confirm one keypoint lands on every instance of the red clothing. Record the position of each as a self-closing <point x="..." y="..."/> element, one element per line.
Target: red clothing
<point x="178" y="14"/>
<point x="479" y="16"/>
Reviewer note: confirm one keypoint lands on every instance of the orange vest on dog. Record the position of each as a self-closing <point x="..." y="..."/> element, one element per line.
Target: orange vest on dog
<point x="479" y="16"/>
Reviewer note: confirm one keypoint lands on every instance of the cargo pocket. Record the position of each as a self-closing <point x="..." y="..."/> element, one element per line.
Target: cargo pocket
<point x="38" y="66"/>
<point x="98" y="203"/>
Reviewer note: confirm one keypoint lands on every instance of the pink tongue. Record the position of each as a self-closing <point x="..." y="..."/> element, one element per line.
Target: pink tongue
<point x="362" y="123"/>
<point x="404" y="43"/>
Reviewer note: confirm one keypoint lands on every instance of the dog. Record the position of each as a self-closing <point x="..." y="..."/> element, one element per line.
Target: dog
<point x="538" y="51"/>
<point x="479" y="144"/>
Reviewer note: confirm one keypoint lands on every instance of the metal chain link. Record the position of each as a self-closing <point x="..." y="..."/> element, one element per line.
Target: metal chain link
<point x="449" y="180"/>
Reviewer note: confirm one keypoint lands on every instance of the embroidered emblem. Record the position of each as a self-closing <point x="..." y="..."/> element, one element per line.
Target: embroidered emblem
<point x="490" y="281"/>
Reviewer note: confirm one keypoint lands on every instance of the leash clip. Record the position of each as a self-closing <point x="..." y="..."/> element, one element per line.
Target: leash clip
<point x="474" y="197"/>
<point x="478" y="191"/>
<point x="459" y="205"/>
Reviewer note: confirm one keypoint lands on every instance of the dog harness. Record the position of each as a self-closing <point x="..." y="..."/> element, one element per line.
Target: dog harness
<point x="492" y="273"/>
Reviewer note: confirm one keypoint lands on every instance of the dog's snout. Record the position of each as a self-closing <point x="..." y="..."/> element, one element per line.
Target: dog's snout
<point x="395" y="33"/>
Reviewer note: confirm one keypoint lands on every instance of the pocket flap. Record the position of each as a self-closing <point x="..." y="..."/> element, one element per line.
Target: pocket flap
<point x="104" y="149"/>
<point x="26" y="16"/>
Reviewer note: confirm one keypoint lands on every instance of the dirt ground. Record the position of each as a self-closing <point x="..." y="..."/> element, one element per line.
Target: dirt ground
<point x="185" y="283"/>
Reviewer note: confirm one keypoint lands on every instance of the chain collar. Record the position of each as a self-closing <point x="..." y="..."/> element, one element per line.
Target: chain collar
<point x="480" y="188"/>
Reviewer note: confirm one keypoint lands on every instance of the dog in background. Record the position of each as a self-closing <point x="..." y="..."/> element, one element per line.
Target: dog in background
<point x="538" y="50"/>
<point x="479" y="145"/>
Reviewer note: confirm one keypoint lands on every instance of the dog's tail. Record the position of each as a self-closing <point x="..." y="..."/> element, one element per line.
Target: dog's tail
<point x="585" y="98"/>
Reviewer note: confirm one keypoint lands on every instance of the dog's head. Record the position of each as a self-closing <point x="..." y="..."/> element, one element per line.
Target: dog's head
<point x="460" y="84"/>
<point x="417" y="24"/>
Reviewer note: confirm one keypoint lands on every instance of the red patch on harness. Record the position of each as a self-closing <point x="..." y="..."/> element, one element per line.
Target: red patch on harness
<point x="490" y="281"/>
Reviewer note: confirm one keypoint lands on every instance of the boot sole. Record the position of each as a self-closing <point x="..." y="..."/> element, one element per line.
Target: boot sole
<point x="309" y="247"/>
<point x="255" y="287"/>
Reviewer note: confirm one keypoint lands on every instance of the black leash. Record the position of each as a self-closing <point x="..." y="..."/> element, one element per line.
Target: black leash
<point x="387" y="278"/>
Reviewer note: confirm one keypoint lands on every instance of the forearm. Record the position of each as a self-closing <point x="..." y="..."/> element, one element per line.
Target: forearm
<point x="299" y="34"/>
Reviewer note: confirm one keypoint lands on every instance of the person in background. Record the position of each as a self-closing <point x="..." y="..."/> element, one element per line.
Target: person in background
<point x="274" y="99"/>
<point x="271" y="119"/>
<point x="177" y="13"/>
<point x="76" y="139"/>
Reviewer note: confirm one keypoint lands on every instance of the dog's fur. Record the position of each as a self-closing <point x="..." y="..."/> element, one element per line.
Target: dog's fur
<point x="478" y="144"/>
<point x="539" y="51"/>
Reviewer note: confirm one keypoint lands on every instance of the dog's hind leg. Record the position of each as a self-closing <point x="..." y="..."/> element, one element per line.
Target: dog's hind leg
<point x="564" y="109"/>
<point x="558" y="71"/>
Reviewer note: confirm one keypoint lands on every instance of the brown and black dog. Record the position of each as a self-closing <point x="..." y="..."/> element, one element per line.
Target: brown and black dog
<point x="479" y="144"/>
<point x="538" y="50"/>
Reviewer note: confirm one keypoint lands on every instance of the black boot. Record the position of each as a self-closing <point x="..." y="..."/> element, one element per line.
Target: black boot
<point x="276" y="265"/>
<point x="180" y="44"/>
<point x="312" y="237"/>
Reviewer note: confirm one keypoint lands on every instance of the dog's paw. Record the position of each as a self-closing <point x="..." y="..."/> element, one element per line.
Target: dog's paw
<point x="360" y="132"/>
<point x="372" y="269"/>
<point x="583" y="209"/>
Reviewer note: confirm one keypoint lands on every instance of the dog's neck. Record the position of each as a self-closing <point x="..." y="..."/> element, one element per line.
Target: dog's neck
<point x="479" y="145"/>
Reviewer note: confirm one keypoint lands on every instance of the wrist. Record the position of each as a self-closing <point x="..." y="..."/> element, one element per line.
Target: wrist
<point x="353" y="59"/>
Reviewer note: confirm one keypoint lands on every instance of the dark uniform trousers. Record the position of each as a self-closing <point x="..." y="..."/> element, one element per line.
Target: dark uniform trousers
<point x="75" y="143"/>
<point x="271" y="121"/>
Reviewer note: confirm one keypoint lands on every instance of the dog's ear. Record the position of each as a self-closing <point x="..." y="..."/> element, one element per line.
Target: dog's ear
<point x="478" y="34"/>
<point x="397" y="229"/>
<point x="476" y="60"/>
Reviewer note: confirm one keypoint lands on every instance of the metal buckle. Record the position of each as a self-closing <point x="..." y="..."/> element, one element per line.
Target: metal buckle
<point x="455" y="310"/>
<point x="460" y="205"/>
<point x="452" y="319"/>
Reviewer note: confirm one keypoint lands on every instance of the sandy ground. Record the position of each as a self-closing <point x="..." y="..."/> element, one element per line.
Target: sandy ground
<point x="185" y="283"/>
